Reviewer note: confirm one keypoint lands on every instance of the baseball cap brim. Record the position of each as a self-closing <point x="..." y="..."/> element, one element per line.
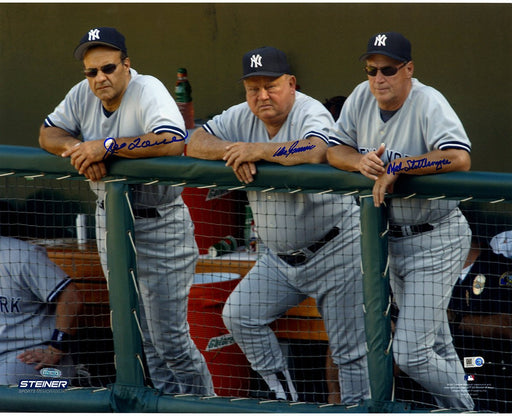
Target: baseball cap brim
<point x="264" y="74"/>
<point x="367" y="54"/>
<point x="81" y="49"/>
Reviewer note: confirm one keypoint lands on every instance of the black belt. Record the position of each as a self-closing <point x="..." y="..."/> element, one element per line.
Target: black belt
<point x="399" y="231"/>
<point x="145" y="212"/>
<point x="300" y="257"/>
<point x="151" y="212"/>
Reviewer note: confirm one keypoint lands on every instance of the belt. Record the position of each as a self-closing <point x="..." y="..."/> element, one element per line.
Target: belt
<point x="399" y="231"/>
<point x="151" y="212"/>
<point x="300" y="256"/>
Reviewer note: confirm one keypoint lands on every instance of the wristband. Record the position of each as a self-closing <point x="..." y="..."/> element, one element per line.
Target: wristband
<point x="60" y="340"/>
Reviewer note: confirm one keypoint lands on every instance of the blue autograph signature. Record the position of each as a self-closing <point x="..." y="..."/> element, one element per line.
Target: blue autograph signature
<point x="293" y="149"/>
<point x="112" y="147"/>
<point x="394" y="168"/>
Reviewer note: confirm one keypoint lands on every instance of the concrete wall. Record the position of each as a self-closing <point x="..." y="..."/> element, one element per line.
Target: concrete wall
<point x="464" y="50"/>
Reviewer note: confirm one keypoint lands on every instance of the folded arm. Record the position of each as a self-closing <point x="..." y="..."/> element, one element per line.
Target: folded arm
<point x="436" y="161"/>
<point x="88" y="157"/>
<point x="370" y="165"/>
<point x="241" y="156"/>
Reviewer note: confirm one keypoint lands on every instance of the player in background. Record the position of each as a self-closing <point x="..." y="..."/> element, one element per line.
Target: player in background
<point x="390" y="125"/>
<point x="120" y="112"/>
<point x="312" y="241"/>
<point x="480" y="315"/>
<point x="39" y="306"/>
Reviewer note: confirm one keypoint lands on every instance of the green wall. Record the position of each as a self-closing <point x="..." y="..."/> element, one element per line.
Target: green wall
<point x="464" y="50"/>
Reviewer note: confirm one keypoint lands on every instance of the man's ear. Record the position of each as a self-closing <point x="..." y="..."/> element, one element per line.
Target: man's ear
<point x="410" y="69"/>
<point x="293" y="81"/>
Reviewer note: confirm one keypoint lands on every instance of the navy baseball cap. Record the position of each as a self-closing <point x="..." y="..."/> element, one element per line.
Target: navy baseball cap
<point x="106" y="36"/>
<point x="265" y="61"/>
<point x="391" y="44"/>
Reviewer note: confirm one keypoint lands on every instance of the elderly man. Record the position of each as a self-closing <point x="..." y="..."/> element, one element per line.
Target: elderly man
<point x="391" y="125"/>
<point x="312" y="241"/>
<point x="120" y="112"/>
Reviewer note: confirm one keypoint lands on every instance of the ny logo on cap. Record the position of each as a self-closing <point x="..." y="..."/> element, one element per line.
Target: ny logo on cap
<point x="94" y="34"/>
<point x="380" y="40"/>
<point x="256" y="61"/>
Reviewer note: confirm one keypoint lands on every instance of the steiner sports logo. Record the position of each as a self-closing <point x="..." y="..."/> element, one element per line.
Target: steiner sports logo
<point x="43" y="384"/>
<point x="53" y="373"/>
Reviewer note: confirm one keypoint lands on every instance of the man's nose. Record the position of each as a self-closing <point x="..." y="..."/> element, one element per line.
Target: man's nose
<point x="379" y="77"/>
<point x="100" y="77"/>
<point x="263" y="94"/>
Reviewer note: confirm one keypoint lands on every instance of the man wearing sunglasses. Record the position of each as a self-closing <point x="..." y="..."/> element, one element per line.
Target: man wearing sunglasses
<point x="391" y="125"/>
<point x="118" y="111"/>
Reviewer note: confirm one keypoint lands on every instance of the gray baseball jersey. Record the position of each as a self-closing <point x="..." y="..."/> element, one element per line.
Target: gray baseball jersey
<point x="425" y="122"/>
<point x="289" y="222"/>
<point x="29" y="282"/>
<point x="285" y="221"/>
<point x="146" y="107"/>
<point x="166" y="249"/>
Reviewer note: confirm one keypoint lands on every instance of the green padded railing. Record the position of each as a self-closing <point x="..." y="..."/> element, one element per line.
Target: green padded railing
<point x="129" y="394"/>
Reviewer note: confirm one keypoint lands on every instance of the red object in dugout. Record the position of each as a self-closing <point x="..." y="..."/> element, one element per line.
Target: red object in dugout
<point x="213" y="219"/>
<point x="228" y="366"/>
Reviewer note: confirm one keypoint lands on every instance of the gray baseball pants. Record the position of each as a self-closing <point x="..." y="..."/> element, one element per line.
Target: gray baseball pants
<point x="166" y="258"/>
<point x="333" y="277"/>
<point x="423" y="270"/>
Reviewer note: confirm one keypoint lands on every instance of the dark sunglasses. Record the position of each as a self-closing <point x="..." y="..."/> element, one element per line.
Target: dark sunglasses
<point x="106" y="69"/>
<point x="387" y="71"/>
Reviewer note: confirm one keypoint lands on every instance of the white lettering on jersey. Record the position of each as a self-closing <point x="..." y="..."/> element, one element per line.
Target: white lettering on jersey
<point x="388" y="156"/>
<point x="364" y="150"/>
<point x="392" y="155"/>
<point x="9" y="306"/>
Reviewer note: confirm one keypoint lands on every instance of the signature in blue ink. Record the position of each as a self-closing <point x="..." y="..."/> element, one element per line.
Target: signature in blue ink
<point x="294" y="148"/>
<point x="112" y="147"/>
<point x="394" y="167"/>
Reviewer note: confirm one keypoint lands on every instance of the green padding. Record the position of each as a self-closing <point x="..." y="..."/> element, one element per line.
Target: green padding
<point x="122" y="292"/>
<point x="82" y="400"/>
<point x="206" y="172"/>
<point x="489" y="186"/>
<point x="167" y="404"/>
<point x="374" y="249"/>
<point x="33" y="159"/>
<point x="482" y="185"/>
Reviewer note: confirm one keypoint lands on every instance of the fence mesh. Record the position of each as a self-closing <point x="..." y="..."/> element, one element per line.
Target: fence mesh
<point x="306" y="318"/>
<point x="476" y="260"/>
<point x="44" y="214"/>
<point x="241" y="291"/>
